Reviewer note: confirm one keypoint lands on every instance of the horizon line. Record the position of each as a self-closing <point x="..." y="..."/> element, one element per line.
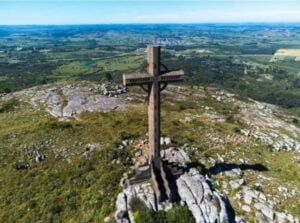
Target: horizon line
<point x="155" y="23"/>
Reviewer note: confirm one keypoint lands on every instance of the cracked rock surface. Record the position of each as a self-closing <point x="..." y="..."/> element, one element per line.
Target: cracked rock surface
<point x="205" y="204"/>
<point x="67" y="101"/>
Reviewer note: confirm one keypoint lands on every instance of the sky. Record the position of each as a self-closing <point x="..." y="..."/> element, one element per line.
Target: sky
<point x="45" y="12"/>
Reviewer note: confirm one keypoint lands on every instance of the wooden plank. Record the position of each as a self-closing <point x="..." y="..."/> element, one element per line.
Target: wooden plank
<point x="137" y="79"/>
<point x="153" y="59"/>
<point x="172" y="76"/>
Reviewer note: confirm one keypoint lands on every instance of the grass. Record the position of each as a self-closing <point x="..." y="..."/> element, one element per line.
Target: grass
<point x="283" y="170"/>
<point x="3" y="77"/>
<point x="294" y="111"/>
<point x="142" y="214"/>
<point x="62" y="188"/>
<point x="122" y="64"/>
<point x="68" y="187"/>
<point x="80" y="70"/>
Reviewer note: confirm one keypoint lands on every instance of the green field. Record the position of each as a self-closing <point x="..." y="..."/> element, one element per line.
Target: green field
<point x="237" y="58"/>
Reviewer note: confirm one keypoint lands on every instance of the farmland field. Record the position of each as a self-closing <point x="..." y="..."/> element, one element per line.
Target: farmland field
<point x="287" y="54"/>
<point x="258" y="61"/>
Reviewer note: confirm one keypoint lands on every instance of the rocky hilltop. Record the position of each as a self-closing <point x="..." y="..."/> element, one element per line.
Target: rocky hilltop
<point x="65" y="147"/>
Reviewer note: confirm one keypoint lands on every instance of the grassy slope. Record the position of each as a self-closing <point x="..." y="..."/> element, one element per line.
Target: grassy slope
<point x="62" y="189"/>
<point x="72" y="188"/>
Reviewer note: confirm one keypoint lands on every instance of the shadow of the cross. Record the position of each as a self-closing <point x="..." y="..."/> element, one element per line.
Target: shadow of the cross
<point x="199" y="166"/>
<point x="203" y="171"/>
<point x="222" y="167"/>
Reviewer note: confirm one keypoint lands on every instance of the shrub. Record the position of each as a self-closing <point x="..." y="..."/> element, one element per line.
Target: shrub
<point x="179" y="214"/>
<point x="6" y="90"/>
<point x="143" y="216"/>
<point x="160" y="217"/>
<point x="9" y="105"/>
<point x="141" y="213"/>
<point x="54" y="124"/>
<point x="295" y="121"/>
<point x="230" y="119"/>
<point x="136" y="204"/>
<point x="108" y="76"/>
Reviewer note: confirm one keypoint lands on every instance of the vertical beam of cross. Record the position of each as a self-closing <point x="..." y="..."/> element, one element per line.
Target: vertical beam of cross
<point x="154" y="106"/>
<point x="154" y="78"/>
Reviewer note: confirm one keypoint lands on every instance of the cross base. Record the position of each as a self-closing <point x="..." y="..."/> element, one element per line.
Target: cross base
<point x="163" y="180"/>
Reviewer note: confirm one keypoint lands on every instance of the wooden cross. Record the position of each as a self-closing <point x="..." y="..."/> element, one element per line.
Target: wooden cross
<point x="156" y="81"/>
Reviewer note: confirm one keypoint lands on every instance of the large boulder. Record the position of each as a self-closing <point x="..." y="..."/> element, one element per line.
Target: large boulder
<point x="142" y="191"/>
<point x="205" y="204"/>
<point x="175" y="155"/>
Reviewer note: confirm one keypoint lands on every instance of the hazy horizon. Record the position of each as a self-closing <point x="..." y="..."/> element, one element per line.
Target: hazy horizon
<point x="156" y="24"/>
<point x="100" y="12"/>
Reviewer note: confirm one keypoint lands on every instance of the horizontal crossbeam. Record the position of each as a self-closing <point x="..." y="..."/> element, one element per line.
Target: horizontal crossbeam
<point x="137" y="79"/>
<point x="145" y="78"/>
<point x="171" y="76"/>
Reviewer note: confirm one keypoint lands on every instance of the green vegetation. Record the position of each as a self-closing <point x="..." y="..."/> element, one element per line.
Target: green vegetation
<point x="235" y="57"/>
<point x="9" y="105"/>
<point x="70" y="187"/>
<point x="178" y="214"/>
<point x="66" y="186"/>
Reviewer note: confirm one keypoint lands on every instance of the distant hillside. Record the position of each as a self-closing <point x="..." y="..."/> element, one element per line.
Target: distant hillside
<point x="237" y="58"/>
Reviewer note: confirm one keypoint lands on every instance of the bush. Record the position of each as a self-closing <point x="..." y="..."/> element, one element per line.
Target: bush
<point x="108" y="76"/>
<point x="295" y="121"/>
<point x="143" y="216"/>
<point x="54" y="124"/>
<point x="160" y="217"/>
<point x="6" y="90"/>
<point x="9" y="105"/>
<point x="230" y="119"/>
<point x="141" y="213"/>
<point x="137" y="205"/>
<point x="179" y="214"/>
